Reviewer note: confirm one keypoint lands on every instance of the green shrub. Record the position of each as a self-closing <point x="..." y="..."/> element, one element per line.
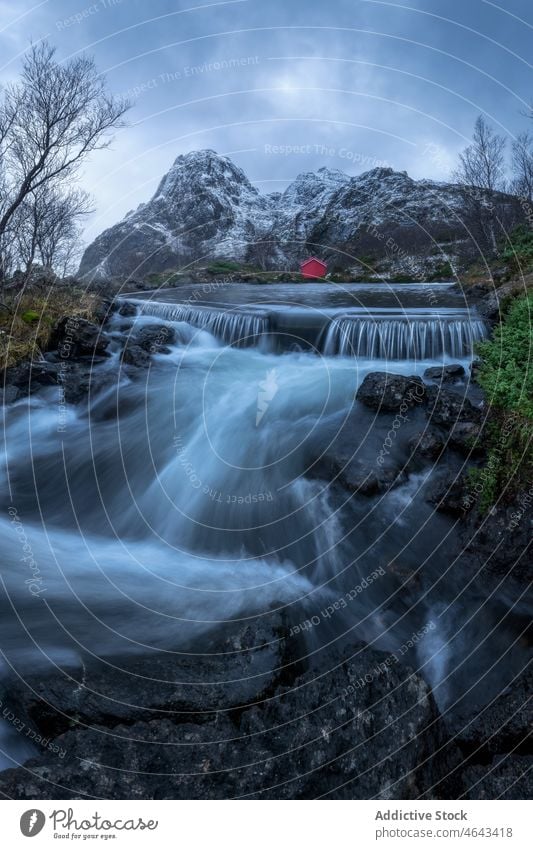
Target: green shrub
<point x="506" y="375"/>
<point x="518" y="251"/>
<point x="444" y="271"/>
<point x="506" y="370"/>
<point x="223" y="267"/>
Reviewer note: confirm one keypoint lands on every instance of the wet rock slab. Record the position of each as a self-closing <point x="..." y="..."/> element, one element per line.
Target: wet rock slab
<point x="180" y="685"/>
<point x="354" y="727"/>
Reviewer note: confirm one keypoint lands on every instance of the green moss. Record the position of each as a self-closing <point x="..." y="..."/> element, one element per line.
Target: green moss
<point x="30" y="316"/>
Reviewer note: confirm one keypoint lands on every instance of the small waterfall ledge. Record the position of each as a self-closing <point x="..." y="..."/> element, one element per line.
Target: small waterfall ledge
<point x="392" y="334"/>
<point x="403" y="337"/>
<point x="234" y="327"/>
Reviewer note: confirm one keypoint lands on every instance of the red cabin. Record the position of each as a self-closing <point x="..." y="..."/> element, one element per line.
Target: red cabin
<point x="313" y="268"/>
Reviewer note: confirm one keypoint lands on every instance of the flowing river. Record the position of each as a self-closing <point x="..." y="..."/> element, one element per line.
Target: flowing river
<point x="190" y="495"/>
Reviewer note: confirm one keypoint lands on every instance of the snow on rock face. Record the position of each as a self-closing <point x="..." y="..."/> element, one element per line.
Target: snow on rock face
<point x="205" y="208"/>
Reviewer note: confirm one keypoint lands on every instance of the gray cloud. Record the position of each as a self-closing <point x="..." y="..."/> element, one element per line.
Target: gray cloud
<point x="287" y="87"/>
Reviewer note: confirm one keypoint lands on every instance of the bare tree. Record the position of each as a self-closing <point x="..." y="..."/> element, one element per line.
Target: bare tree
<point x="482" y="163"/>
<point x="59" y="224"/>
<point x="49" y="122"/>
<point x="522" y="165"/>
<point x="262" y="253"/>
<point x="46" y="228"/>
<point x="481" y="173"/>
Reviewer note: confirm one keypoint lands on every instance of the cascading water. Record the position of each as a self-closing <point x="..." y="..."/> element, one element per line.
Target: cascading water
<point x="232" y="327"/>
<point x="417" y="335"/>
<point x="182" y="497"/>
<point x="392" y="334"/>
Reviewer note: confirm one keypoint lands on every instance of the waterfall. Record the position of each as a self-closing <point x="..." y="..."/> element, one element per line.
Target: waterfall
<point x="402" y="337"/>
<point x="232" y="326"/>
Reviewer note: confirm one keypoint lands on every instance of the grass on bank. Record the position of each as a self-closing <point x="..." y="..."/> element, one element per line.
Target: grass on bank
<point x="27" y="319"/>
<point x="506" y="375"/>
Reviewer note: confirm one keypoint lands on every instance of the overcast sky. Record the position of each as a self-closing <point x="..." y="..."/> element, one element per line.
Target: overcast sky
<point x="285" y="86"/>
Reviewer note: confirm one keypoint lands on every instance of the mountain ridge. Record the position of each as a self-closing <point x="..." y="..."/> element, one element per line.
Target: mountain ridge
<point x="205" y="208"/>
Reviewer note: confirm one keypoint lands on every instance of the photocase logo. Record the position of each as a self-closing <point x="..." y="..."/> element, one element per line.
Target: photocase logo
<point x="268" y="389"/>
<point x="32" y="822"/>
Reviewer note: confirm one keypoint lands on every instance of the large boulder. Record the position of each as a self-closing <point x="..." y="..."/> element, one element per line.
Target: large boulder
<point x="387" y="392"/>
<point x="427" y="444"/>
<point x="497" y="541"/>
<point x="359" y="475"/>
<point x="154" y="338"/>
<point x="134" y="355"/>
<point x="465" y="437"/>
<point x="82" y="381"/>
<point x="73" y="337"/>
<point x="28" y="378"/>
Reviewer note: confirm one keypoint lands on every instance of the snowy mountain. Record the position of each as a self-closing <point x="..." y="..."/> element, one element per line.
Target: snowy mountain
<point x="205" y="208"/>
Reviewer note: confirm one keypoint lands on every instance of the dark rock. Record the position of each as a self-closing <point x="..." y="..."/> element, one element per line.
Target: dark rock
<point x="30" y="377"/>
<point x="82" y="379"/>
<point x="504" y="725"/>
<point x="27" y="379"/>
<point x="446" y="408"/>
<point x="133" y="355"/>
<point x="363" y="452"/>
<point x="387" y="392"/>
<point x="428" y="444"/>
<point x="177" y="687"/>
<point x="154" y="338"/>
<point x="104" y="310"/>
<point x="127" y="309"/>
<point x="320" y="733"/>
<point x="353" y="474"/>
<point x="448" y="493"/>
<point x="504" y="778"/>
<point x="478" y="290"/>
<point x="465" y="437"/>
<point x="74" y="337"/>
<point x="493" y="305"/>
<point x="497" y="542"/>
<point x="445" y="374"/>
<point x="10" y="394"/>
<point x="74" y="379"/>
<point x="358" y="477"/>
<point x="363" y="476"/>
<point x="475" y="368"/>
